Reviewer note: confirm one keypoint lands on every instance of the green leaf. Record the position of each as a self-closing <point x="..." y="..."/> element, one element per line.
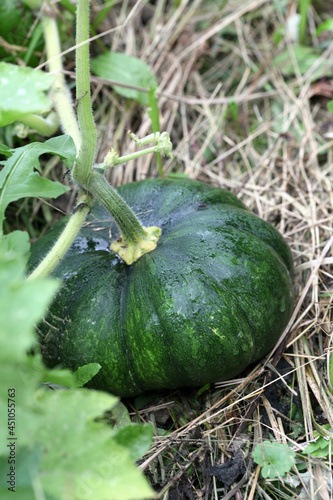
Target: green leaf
<point x="330" y="106"/>
<point x="62" y="146"/>
<point x="177" y="175"/>
<point x="85" y="373"/>
<point x="303" y="8"/>
<point x="119" y="415"/>
<point x="317" y="450"/>
<point x="127" y="70"/>
<point x="5" y="150"/>
<point x="26" y="469"/>
<point x="103" y="12"/>
<point x="278" y="34"/>
<point x="62" y="451"/>
<point x="82" y="459"/>
<point x="10" y="16"/>
<point x="22" y="92"/>
<point x="153" y="111"/>
<point x="232" y="110"/>
<point x="18" y="179"/>
<point x="320" y="447"/>
<point x="305" y="58"/>
<point x="15" y="244"/>
<point x="57" y="378"/>
<point x="325" y="26"/>
<point x="33" y="4"/>
<point x="202" y="389"/>
<point x="22" y="304"/>
<point x="136" y="438"/>
<point x="276" y="459"/>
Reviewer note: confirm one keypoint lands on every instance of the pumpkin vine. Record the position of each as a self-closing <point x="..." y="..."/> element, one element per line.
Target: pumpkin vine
<point x="135" y="238"/>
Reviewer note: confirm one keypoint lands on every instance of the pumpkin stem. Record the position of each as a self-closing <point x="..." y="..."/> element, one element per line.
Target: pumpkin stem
<point x="84" y="163"/>
<point x="135" y="239"/>
<point x="65" y="240"/>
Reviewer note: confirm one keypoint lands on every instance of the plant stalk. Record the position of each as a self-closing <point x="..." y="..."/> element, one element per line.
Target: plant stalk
<point x="63" y="243"/>
<point x="130" y="227"/>
<point x="44" y="126"/>
<point x="83" y="167"/>
<point x="61" y="95"/>
<point x="136" y="239"/>
<point x="69" y="123"/>
<point x="136" y="154"/>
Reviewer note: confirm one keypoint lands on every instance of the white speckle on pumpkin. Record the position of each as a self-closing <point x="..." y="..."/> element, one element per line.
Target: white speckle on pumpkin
<point x="216" y="332"/>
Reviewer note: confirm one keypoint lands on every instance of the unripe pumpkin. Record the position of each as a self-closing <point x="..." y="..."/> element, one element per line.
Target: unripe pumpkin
<point x="212" y="298"/>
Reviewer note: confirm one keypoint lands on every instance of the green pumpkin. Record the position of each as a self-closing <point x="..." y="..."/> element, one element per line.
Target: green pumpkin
<point x="212" y="298"/>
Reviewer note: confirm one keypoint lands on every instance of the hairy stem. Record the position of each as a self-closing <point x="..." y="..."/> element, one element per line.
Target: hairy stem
<point x="136" y="240"/>
<point x="60" y="92"/>
<point x="130" y="227"/>
<point x="69" y="123"/>
<point x="64" y="242"/>
<point x="83" y="167"/>
<point x="44" y="126"/>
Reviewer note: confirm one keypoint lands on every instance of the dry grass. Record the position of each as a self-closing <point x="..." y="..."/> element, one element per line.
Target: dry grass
<point x="276" y="155"/>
